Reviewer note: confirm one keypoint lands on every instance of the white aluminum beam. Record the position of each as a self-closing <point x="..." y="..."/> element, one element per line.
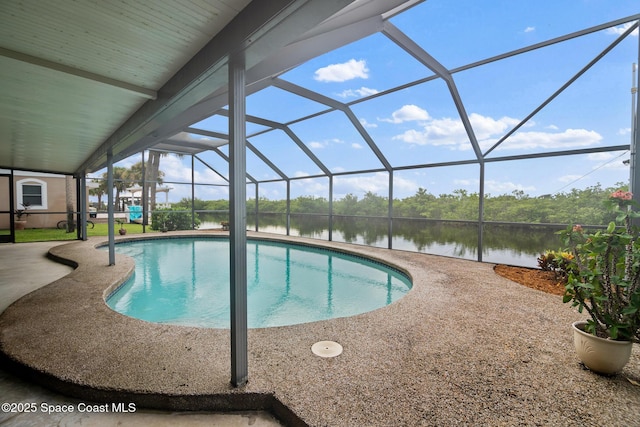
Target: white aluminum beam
<point x="131" y="88"/>
<point x="412" y="48"/>
<point x="238" y="219"/>
<point x="260" y="30"/>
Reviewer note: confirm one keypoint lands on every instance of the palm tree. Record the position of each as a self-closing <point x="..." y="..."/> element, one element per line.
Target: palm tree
<point x="153" y="168"/>
<point x="68" y="184"/>
<point x="120" y="175"/>
<point x="98" y="191"/>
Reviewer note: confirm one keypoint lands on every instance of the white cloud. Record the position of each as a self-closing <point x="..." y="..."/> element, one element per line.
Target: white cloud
<point x="366" y="124"/>
<point x="349" y="70"/>
<point x="617" y="165"/>
<point x="448" y="131"/>
<point x="407" y="113"/>
<point x="600" y="157"/>
<point x="485" y="127"/>
<point x="552" y="127"/>
<point x="501" y="187"/>
<point x="608" y="161"/>
<point x="451" y="132"/>
<point x="310" y="187"/>
<point x="175" y="170"/>
<point x="493" y="186"/>
<point x="354" y="93"/>
<point x="356" y="146"/>
<point x="529" y="29"/>
<point x="570" y="138"/>
<point x="319" y="145"/>
<point x="621" y="29"/>
<point x="377" y="183"/>
<point x="624" y="131"/>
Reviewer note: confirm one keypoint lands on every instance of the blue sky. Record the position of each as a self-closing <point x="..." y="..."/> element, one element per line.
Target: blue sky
<point x="420" y="125"/>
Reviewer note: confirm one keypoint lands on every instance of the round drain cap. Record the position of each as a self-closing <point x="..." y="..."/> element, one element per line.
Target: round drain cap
<point x="326" y="349"/>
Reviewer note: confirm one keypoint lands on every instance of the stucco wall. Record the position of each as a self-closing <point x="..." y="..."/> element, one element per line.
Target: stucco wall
<point x="40" y="217"/>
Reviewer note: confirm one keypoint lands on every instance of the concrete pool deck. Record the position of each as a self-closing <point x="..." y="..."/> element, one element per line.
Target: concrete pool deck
<point x="464" y="346"/>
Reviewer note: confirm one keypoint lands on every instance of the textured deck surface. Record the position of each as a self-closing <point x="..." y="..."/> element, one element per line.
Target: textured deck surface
<point x="463" y="347"/>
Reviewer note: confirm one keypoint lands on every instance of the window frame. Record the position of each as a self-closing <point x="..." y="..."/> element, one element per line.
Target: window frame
<point x="36" y="183"/>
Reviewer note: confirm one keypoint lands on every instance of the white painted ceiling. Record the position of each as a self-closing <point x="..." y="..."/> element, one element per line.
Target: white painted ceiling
<point x="80" y="77"/>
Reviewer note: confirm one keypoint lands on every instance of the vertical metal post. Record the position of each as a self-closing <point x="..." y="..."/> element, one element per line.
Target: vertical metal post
<point x="78" y="215"/>
<point x="12" y="208"/>
<point x="238" y="216"/>
<point x="634" y="172"/>
<point x="257" y="206"/>
<point x="143" y="199"/>
<point x="82" y="202"/>
<point x="288" y="206"/>
<point x="193" y="193"/>
<point x="331" y="208"/>
<point x="481" y="212"/>
<point x="112" y="241"/>
<point x="390" y="213"/>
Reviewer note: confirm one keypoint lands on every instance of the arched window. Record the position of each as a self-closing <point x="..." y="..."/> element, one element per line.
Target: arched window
<point x="32" y="191"/>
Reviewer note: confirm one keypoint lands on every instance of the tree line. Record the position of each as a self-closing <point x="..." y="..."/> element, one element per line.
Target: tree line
<point x="578" y="206"/>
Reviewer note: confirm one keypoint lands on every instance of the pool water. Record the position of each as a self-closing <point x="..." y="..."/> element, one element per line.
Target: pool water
<point x="185" y="281"/>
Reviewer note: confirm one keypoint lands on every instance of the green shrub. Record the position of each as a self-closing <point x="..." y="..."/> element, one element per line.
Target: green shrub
<point x="560" y="262"/>
<point x="171" y="220"/>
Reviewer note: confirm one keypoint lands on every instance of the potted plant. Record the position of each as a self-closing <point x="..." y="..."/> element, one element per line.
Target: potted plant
<point x="225" y="225"/>
<point x="21" y="216"/>
<point x="122" y="230"/>
<point x="603" y="278"/>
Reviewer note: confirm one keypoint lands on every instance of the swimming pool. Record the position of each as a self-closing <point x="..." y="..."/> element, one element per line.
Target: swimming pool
<point x="185" y="281"/>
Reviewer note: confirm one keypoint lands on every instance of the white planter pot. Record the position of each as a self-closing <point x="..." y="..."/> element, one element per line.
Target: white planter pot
<point x="598" y="354"/>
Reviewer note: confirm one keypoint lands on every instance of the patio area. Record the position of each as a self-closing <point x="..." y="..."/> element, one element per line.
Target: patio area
<point x="463" y="347"/>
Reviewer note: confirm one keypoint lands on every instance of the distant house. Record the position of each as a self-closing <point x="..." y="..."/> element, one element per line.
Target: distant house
<point x="44" y="192"/>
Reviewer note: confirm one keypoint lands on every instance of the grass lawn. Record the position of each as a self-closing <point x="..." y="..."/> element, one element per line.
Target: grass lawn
<point x="47" y="234"/>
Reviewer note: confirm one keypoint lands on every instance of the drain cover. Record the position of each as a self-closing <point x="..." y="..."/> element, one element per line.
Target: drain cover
<point x="326" y="349"/>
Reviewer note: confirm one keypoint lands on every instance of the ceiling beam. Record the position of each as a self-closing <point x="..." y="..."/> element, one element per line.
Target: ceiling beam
<point x="259" y="30"/>
<point x="352" y="24"/>
<point x="131" y="88"/>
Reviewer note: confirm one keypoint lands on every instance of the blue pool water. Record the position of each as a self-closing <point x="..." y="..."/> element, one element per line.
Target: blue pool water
<point x="185" y="281"/>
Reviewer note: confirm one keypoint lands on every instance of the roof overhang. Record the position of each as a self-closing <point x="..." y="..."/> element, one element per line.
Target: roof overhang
<point x="80" y="80"/>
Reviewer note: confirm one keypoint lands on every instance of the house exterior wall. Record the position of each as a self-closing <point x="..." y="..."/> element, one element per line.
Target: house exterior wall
<point x="53" y="195"/>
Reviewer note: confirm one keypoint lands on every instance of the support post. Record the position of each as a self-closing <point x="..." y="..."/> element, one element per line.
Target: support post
<point x="288" y="207"/>
<point x="12" y="207"/>
<point x="82" y="203"/>
<point x="112" y="241"/>
<point x="144" y="198"/>
<point x="257" y="206"/>
<point x="193" y="192"/>
<point x="390" y="213"/>
<point x="238" y="216"/>
<point x="634" y="171"/>
<point x="330" y="208"/>
<point x="481" y="213"/>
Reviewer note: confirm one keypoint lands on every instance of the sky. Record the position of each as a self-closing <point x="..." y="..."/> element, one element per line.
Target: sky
<point x="421" y="125"/>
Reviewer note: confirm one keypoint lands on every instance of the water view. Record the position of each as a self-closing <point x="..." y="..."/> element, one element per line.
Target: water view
<point x="505" y="244"/>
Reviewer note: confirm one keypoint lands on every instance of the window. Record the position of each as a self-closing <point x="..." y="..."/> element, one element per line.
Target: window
<point x="32" y="194"/>
<point x="31" y="191"/>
